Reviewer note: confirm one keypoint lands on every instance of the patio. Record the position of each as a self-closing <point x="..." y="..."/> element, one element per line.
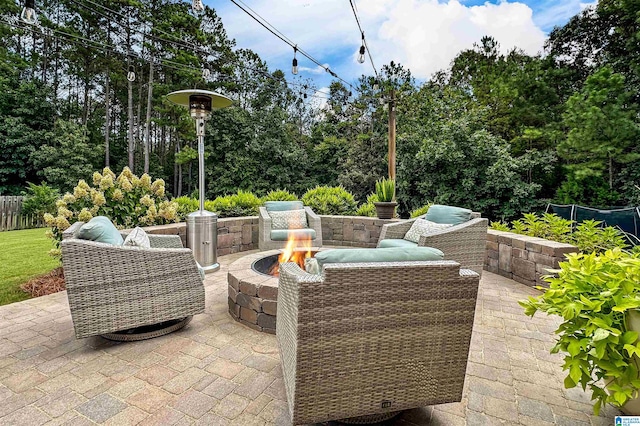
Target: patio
<point x="217" y="371"/>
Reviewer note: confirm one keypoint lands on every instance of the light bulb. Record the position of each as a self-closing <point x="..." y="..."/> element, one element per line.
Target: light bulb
<point x="28" y="14"/>
<point x="376" y="86"/>
<point x="131" y="75"/>
<point x="206" y="73"/>
<point x="197" y="5"/>
<point x="361" y="55"/>
<point x="294" y="66"/>
<point x="305" y="96"/>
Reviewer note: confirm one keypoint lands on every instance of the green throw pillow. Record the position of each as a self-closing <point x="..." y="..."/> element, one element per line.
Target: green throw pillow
<point x="100" y="229"/>
<point x="448" y="214"/>
<point x="278" y="206"/>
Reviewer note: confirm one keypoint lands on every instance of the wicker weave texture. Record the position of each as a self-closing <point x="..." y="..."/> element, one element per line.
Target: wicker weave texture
<point x="264" y="230"/>
<point x="374" y="338"/>
<point x="465" y="243"/>
<point x="112" y="288"/>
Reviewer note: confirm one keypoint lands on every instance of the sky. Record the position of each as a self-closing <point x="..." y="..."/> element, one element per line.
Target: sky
<point x="422" y="35"/>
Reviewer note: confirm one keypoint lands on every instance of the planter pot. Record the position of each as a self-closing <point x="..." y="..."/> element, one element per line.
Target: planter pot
<point x="385" y="210"/>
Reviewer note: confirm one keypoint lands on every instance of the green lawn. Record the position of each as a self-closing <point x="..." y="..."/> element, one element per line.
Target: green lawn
<point x="23" y="255"/>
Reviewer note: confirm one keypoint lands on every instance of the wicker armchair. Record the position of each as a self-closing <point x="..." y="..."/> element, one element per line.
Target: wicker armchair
<point x="114" y="288"/>
<point x="265" y="242"/>
<point x="367" y="339"/>
<point x="465" y="243"/>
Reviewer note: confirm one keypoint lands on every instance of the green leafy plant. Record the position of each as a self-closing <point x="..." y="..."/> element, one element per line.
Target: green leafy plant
<point x="127" y="200"/>
<point x="242" y="203"/>
<point x="499" y="226"/>
<point x="594" y="294"/>
<point x="368" y="208"/>
<point x="280" y="195"/>
<point x="330" y="200"/>
<point x="420" y="211"/>
<point x="386" y="190"/>
<point x="186" y="205"/>
<point x="39" y="199"/>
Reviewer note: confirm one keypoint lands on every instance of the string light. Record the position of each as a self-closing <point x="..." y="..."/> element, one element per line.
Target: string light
<point x="206" y="73"/>
<point x="131" y="75"/>
<point x="28" y="14"/>
<point x="197" y="6"/>
<point x="294" y="63"/>
<point x="362" y="50"/>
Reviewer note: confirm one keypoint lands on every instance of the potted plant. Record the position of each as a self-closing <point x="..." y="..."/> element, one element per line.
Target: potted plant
<point x="386" y="192"/>
<point x="598" y="297"/>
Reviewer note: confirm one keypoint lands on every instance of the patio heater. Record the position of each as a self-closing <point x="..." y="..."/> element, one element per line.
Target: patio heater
<point x="202" y="233"/>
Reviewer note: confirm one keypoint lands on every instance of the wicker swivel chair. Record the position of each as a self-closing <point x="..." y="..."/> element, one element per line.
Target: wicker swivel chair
<point x="367" y="339"/>
<point x="114" y="288"/>
<point x="270" y="238"/>
<point x="465" y="243"/>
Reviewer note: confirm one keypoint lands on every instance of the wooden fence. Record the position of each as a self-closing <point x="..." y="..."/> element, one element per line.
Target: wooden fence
<point x="11" y="216"/>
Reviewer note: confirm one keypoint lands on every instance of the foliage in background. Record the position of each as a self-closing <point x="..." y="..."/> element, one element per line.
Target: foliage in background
<point x="242" y="203"/>
<point x="128" y="200"/>
<point x="385" y="190"/>
<point x="39" y="199"/>
<point x="330" y="200"/>
<point x="420" y="211"/>
<point x="368" y="208"/>
<point x="589" y="235"/>
<point x="280" y="195"/>
<point x="595" y="337"/>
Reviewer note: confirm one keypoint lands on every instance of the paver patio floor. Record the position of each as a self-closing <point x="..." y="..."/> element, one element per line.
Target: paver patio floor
<point x="219" y="372"/>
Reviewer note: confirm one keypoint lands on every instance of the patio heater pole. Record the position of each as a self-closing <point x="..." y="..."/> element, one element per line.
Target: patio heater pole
<point x="202" y="232"/>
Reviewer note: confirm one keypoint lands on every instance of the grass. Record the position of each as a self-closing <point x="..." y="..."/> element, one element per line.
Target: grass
<point x="24" y="255"/>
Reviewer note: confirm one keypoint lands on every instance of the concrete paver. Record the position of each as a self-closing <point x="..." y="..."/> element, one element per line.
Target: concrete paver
<point x="219" y="372"/>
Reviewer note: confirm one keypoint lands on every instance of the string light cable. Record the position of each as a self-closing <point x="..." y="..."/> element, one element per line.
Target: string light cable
<point x="364" y="47"/>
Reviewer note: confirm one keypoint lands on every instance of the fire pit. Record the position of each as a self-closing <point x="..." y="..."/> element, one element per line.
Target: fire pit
<point x="253" y="286"/>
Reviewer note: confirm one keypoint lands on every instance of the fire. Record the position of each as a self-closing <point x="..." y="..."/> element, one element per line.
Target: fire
<point x="296" y="250"/>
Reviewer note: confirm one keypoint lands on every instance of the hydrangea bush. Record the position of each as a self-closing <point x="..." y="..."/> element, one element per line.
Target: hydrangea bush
<point x="128" y="200"/>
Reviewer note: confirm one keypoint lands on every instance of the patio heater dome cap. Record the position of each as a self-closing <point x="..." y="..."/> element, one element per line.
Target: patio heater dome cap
<point x="181" y="97"/>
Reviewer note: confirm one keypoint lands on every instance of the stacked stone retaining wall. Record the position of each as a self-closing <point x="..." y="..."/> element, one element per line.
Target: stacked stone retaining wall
<point x="522" y="258"/>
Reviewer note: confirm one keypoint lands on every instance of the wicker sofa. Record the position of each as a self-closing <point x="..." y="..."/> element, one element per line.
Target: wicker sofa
<point x="465" y="243"/>
<point x="365" y="339"/>
<point x="266" y="238"/>
<point x="113" y="288"/>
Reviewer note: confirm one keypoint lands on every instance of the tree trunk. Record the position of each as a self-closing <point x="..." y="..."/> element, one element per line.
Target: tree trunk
<point x="107" y="118"/>
<point x="610" y="171"/>
<point x="147" y="142"/>
<point x="131" y="142"/>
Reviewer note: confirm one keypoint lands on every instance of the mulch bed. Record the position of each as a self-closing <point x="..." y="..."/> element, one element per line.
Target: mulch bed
<point x="52" y="282"/>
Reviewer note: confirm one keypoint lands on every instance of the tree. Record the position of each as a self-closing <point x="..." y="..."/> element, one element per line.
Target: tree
<point x="602" y="130"/>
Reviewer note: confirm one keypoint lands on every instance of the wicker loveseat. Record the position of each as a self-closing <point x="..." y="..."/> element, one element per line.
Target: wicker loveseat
<point x="465" y="242"/>
<point x="371" y="338"/>
<point x="269" y="237"/>
<point x="113" y="288"/>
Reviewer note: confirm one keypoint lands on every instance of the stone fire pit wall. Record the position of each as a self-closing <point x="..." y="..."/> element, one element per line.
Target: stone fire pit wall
<point x="522" y="258"/>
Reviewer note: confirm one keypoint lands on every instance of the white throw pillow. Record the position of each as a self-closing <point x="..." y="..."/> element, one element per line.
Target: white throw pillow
<point x="288" y="219"/>
<point x="422" y="227"/>
<point x="137" y="238"/>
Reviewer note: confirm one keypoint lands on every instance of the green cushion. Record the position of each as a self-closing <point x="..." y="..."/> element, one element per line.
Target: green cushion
<point x="283" y="234"/>
<point x="362" y="255"/>
<point x="392" y="242"/>
<point x="100" y="229"/>
<point x="448" y="214"/>
<point x="278" y="206"/>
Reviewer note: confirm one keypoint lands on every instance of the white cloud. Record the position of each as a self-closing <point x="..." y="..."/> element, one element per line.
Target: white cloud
<point x="423" y="35"/>
<point x="557" y="13"/>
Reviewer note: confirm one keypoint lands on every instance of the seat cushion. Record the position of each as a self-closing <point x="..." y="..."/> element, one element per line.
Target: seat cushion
<point x="100" y="229"/>
<point x="288" y="219"/>
<point x="393" y="242"/>
<point x="283" y="234"/>
<point x="278" y="206"/>
<point x="137" y="238"/>
<point x="447" y="214"/>
<point x="364" y="255"/>
<point x="422" y="227"/>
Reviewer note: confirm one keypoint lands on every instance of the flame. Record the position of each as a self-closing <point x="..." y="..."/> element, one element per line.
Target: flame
<point x="296" y="250"/>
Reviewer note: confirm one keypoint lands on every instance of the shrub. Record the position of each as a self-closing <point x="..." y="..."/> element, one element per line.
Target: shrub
<point x="330" y="200"/>
<point x="39" y="199"/>
<point x="243" y="203"/>
<point x="368" y="208"/>
<point x="127" y="200"/>
<point x="386" y="190"/>
<point x="186" y="205"/>
<point x="588" y="236"/>
<point x="280" y="195"/>
<point x="420" y="211"/>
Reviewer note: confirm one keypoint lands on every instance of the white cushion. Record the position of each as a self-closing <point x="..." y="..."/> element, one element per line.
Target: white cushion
<point x="422" y="227"/>
<point x="288" y="219"/>
<point x="137" y="238"/>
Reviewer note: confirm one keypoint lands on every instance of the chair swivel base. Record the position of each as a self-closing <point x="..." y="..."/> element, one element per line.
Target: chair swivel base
<point x="148" y="331"/>
<point x="369" y="419"/>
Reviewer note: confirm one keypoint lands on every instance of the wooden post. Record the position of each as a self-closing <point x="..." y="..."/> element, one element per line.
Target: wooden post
<point x="392" y="135"/>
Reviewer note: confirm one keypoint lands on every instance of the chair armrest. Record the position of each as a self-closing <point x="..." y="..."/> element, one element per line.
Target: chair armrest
<point x="165" y="241"/>
<point x="395" y="230"/>
<point x="312" y="218"/>
<point x="71" y="231"/>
